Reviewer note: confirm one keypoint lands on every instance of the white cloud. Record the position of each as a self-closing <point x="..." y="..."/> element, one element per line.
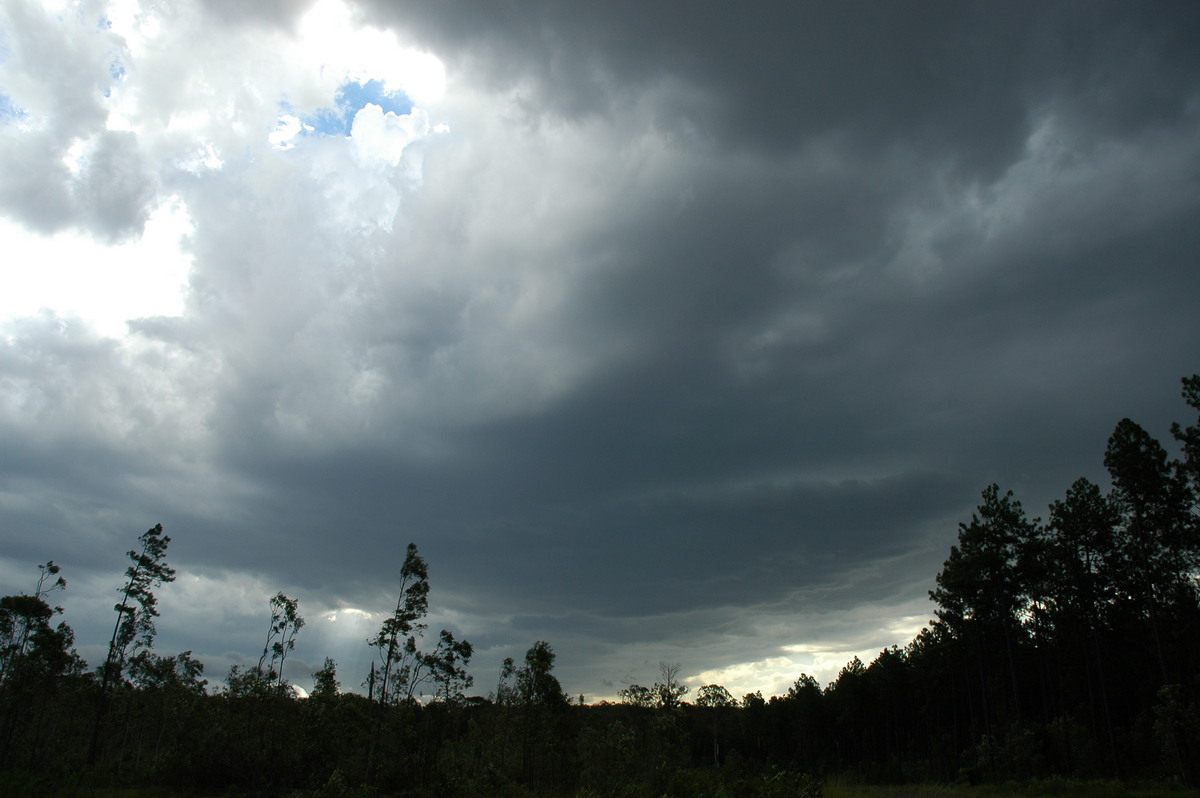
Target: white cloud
<point x="73" y="274"/>
<point x="288" y="128"/>
<point x="334" y="46"/>
<point x="383" y="137"/>
<point x="747" y="677"/>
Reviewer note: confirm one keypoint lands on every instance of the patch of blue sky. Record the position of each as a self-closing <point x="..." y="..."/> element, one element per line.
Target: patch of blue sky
<point x="116" y="71"/>
<point x="350" y="99"/>
<point x="8" y="111"/>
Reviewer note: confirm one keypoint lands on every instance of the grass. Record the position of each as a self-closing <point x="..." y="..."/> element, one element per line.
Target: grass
<point x="1054" y="788"/>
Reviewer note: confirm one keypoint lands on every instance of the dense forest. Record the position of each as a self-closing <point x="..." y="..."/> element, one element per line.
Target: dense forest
<point x="1065" y="647"/>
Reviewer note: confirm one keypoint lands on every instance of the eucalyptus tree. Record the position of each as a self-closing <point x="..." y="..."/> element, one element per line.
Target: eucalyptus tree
<point x="396" y="642"/>
<point x="666" y="693"/>
<point x="286" y="623"/>
<point x="714" y="695"/>
<point x="134" y="630"/>
<point x="447" y="667"/>
<point x="540" y="725"/>
<point x="25" y="622"/>
<point x="325" y="681"/>
<point x="34" y="655"/>
<point x="716" y="701"/>
<point x="535" y="683"/>
<point x="183" y="672"/>
<point x="636" y="695"/>
<point x="166" y="717"/>
<point x="397" y="637"/>
<point x="506" y="689"/>
<point x="668" y="690"/>
<point x="21" y="618"/>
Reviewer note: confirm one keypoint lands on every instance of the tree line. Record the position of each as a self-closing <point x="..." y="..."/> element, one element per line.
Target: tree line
<point x="1064" y="647"/>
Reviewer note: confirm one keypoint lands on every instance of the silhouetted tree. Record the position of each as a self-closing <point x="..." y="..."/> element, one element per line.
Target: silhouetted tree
<point x="637" y="695"/>
<point x="541" y="720"/>
<point x="25" y="621"/>
<point x="396" y="639"/>
<point x="1048" y="656"/>
<point x="804" y="722"/>
<point x="325" y="683"/>
<point x="23" y="616"/>
<point x="982" y="591"/>
<point x="162" y="714"/>
<point x="33" y="657"/>
<point x="1154" y="550"/>
<point x="286" y="622"/>
<point x="1077" y="587"/>
<point x="715" y="695"/>
<point x="447" y="667"/>
<point x="1189" y="436"/>
<point x="535" y="683"/>
<point x="134" y="629"/>
<point x="668" y="690"/>
<point x="715" y="700"/>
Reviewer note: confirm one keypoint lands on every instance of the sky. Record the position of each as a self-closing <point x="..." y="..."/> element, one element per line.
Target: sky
<point x="668" y="336"/>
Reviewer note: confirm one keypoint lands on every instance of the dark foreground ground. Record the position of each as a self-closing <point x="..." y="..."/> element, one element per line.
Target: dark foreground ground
<point x="1044" y="789"/>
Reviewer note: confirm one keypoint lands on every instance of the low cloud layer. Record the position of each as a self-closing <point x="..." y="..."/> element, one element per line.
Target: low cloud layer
<point x="666" y="338"/>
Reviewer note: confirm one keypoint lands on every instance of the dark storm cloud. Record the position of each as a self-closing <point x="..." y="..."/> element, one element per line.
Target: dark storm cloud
<point x="783" y="332"/>
<point x="931" y="77"/>
<point x="699" y="333"/>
